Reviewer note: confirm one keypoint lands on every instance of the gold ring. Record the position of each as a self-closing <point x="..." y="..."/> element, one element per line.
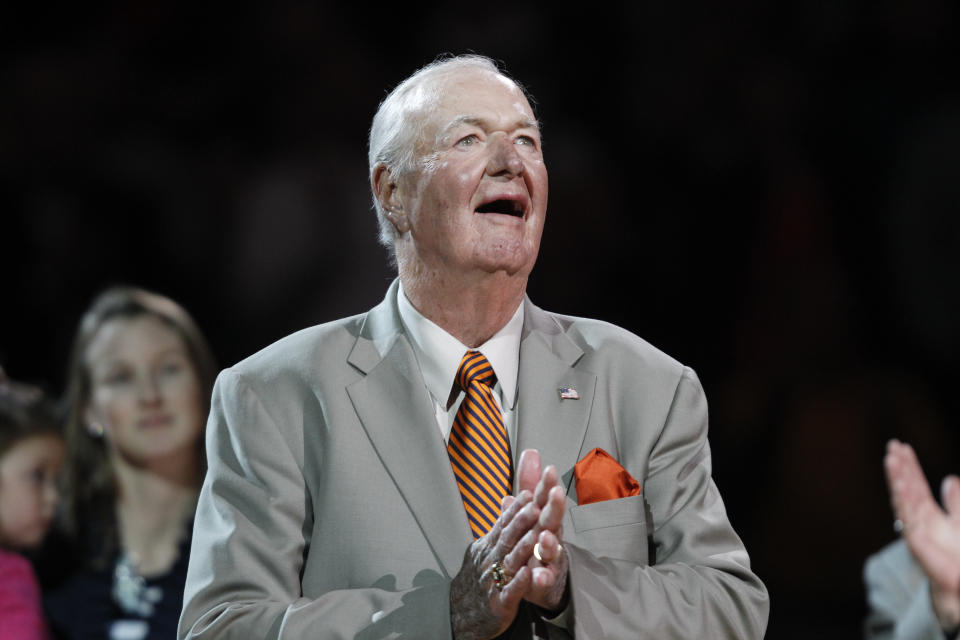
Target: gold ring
<point x="536" y="551"/>
<point x="500" y="577"/>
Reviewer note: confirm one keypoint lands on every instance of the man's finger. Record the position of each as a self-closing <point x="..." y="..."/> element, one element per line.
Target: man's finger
<point x="519" y="522"/>
<point x="549" y="548"/>
<point x="528" y="470"/>
<point x="509" y="508"/>
<point x="915" y="495"/>
<point x="549" y="578"/>
<point x="910" y="494"/>
<point x="898" y="467"/>
<point x="508" y="599"/>
<point x="522" y="551"/>
<point x="545" y="578"/>
<point x="950" y="494"/>
<point x="547" y="482"/>
<point x="510" y="505"/>
<point x="551" y="516"/>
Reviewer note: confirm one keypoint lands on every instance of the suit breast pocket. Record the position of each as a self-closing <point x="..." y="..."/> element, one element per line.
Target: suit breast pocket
<point x="612" y="528"/>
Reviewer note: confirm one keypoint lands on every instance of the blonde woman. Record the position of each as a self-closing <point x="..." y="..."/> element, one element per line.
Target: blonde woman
<point x="137" y="398"/>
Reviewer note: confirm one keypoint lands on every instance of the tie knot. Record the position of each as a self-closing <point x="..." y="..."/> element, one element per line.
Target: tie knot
<point x="474" y="367"/>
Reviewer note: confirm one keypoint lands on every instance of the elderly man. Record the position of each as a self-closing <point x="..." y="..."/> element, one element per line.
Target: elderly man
<point x="363" y="477"/>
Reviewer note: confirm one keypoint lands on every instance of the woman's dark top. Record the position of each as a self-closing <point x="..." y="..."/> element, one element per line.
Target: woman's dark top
<point x="80" y="601"/>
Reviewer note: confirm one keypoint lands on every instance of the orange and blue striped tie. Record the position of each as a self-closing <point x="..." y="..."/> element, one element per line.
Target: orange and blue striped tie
<point x="479" y="448"/>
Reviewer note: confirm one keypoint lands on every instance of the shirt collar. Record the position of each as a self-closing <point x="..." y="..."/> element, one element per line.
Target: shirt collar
<point x="439" y="353"/>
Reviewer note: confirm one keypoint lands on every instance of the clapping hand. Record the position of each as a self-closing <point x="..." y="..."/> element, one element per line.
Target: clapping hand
<point x="549" y="571"/>
<point x="482" y="605"/>
<point x="931" y="533"/>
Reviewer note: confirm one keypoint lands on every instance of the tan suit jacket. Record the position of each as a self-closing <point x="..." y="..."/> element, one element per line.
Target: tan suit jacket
<point x="330" y="509"/>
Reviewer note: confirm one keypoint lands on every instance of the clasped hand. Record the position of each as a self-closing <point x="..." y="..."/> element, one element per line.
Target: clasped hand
<point x="478" y="608"/>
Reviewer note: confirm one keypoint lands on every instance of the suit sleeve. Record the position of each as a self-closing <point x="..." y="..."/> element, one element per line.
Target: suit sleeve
<point x="698" y="583"/>
<point x="251" y="538"/>
<point x="898" y="597"/>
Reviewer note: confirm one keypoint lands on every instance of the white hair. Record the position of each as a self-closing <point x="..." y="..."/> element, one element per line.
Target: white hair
<point x="398" y="124"/>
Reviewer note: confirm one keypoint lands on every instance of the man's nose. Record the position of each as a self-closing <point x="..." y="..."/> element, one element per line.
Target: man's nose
<point x="504" y="159"/>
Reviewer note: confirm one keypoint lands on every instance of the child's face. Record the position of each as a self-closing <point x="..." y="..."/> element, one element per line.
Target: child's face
<point x="28" y="490"/>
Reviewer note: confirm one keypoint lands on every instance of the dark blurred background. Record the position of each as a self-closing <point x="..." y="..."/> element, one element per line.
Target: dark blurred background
<point x="769" y="192"/>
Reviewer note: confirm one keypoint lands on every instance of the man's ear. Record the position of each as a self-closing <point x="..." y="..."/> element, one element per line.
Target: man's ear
<point x="387" y="192"/>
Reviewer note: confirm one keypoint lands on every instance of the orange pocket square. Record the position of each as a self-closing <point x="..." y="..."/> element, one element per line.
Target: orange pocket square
<point x="599" y="477"/>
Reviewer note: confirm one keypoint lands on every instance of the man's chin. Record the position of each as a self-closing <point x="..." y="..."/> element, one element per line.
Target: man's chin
<point x="506" y="267"/>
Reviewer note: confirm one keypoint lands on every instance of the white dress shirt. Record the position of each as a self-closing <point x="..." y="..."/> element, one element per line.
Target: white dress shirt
<point x="438" y="354"/>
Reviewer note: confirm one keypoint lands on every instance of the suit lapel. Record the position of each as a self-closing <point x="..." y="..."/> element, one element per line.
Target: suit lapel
<point x="554" y="426"/>
<point x="395" y="411"/>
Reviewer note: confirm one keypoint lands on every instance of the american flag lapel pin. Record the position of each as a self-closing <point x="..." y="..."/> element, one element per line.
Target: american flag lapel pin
<point x="568" y="393"/>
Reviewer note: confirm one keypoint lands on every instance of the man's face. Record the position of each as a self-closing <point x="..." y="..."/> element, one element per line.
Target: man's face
<point x="479" y="197"/>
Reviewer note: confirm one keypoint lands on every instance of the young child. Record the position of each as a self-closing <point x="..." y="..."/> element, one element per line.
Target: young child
<point x="31" y="454"/>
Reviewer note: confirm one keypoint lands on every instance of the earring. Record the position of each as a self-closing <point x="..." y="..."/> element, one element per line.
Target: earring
<point x="95" y="429"/>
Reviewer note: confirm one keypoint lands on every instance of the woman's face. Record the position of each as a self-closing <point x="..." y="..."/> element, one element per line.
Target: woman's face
<point x="145" y="392"/>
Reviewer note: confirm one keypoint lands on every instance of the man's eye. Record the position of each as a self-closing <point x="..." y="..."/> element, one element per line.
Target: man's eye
<point x="468" y="141"/>
<point x="527" y="140"/>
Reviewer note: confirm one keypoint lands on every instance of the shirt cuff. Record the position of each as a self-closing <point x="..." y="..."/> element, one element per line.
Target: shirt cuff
<point x="559" y="620"/>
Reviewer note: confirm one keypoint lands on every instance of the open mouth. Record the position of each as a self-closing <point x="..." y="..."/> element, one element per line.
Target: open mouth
<point x="504" y="206"/>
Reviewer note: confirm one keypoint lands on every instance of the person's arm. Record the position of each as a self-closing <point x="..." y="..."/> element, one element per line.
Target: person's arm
<point x="699" y="584"/>
<point x="21" y="617"/>
<point x="932" y="534"/>
<point x="898" y="597"/>
<point x="249" y="545"/>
